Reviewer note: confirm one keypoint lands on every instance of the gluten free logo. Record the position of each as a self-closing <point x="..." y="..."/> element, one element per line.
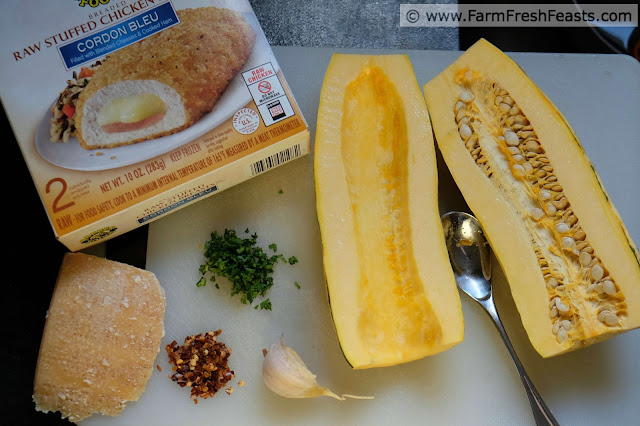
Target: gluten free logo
<point x="92" y="3"/>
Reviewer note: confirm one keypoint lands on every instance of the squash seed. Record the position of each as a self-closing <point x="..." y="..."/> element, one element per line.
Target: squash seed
<point x="545" y="195"/>
<point x="465" y="131"/>
<point x="518" y="158"/>
<point x="597" y="272"/>
<point x="520" y="119"/>
<point x="504" y="107"/>
<point x="607" y="306"/>
<point x="568" y="242"/>
<point x="513" y="150"/>
<point x="587" y="249"/>
<point x="511" y="138"/>
<point x="562" y="308"/>
<point x="611" y="319"/>
<point x="518" y="170"/>
<point x="584" y="258"/>
<point x="562" y="335"/>
<point x="609" y="287"/>
<point x="561" y="204"/>
<point x="562" y="227"/>
<point x="550" y="208"/>
<point x="581" y="245"/>
<point x="466" y="96"/>
<point x="532" y="146"/>
<point x="602" y="314"/>
<point x="537" y="213"/>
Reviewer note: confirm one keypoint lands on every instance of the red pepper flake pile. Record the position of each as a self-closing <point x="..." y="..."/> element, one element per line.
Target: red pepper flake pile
<point x="201" y="363"/>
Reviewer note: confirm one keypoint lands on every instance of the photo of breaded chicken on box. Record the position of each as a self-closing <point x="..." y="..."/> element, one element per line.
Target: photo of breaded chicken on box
<point x="158" y="86"/>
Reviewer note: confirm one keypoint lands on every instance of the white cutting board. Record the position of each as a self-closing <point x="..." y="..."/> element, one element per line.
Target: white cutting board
<point x="472" y="383"/>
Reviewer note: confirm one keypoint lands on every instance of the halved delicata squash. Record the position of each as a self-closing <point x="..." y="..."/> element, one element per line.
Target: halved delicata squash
<point x="573" y="270"/>
<point x="392" y="291"/>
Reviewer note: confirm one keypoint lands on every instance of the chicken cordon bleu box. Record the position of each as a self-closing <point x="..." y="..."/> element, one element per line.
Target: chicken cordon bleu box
<point x="127" y="110"/>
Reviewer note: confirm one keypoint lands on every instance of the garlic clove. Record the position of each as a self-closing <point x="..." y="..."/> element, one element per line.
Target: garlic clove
<point x="286" y="374"/>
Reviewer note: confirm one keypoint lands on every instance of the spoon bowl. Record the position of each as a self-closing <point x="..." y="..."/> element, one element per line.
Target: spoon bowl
<point x="470" y="254"/>
<point x="470" y="257"/>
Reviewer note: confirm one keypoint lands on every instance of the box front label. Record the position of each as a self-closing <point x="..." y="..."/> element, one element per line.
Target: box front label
<point x="118" y="36"/>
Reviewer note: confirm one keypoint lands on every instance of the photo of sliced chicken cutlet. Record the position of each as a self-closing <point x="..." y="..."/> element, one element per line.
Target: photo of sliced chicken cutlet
<point x="164" y="83"/>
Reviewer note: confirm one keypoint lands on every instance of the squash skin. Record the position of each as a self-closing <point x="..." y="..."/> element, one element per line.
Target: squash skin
<point x="346" y="261"/>
<point x="504" y="226"/>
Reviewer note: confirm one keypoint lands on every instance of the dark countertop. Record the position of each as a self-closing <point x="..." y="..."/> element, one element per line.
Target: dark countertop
<point x="34" y="256"/>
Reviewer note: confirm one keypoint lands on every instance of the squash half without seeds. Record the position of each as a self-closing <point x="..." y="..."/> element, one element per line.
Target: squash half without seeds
<point x="571" y="265"/>
<point x="392" y="292"/>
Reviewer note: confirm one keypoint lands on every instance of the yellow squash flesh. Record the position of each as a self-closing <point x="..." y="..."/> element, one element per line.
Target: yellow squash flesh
<point x="572" y="268"/>
<point x="392" y="292"/>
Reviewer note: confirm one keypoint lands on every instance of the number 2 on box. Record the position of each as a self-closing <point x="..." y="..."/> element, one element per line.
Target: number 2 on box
<point x="55" y="206"/>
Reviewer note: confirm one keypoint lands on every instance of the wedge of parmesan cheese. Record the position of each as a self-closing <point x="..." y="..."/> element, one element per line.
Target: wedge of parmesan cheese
<point x="101" y="337"/>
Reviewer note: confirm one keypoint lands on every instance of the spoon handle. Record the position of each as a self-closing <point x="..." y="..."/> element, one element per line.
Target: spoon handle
<point x="541" y="412"/>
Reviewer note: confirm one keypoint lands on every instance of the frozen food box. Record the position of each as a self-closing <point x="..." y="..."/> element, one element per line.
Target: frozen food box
<point x="127" y="110"/>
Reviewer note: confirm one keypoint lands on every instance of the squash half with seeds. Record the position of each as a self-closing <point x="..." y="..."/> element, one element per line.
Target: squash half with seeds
<point x="571" y="265"/>
<point x="392" y="291"/>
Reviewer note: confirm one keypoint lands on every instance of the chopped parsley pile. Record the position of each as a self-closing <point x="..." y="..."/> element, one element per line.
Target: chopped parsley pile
<point x="243" y="263"/>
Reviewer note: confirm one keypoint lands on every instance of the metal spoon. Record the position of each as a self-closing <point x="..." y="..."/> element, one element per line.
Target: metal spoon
<point x="470" y="257"/>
